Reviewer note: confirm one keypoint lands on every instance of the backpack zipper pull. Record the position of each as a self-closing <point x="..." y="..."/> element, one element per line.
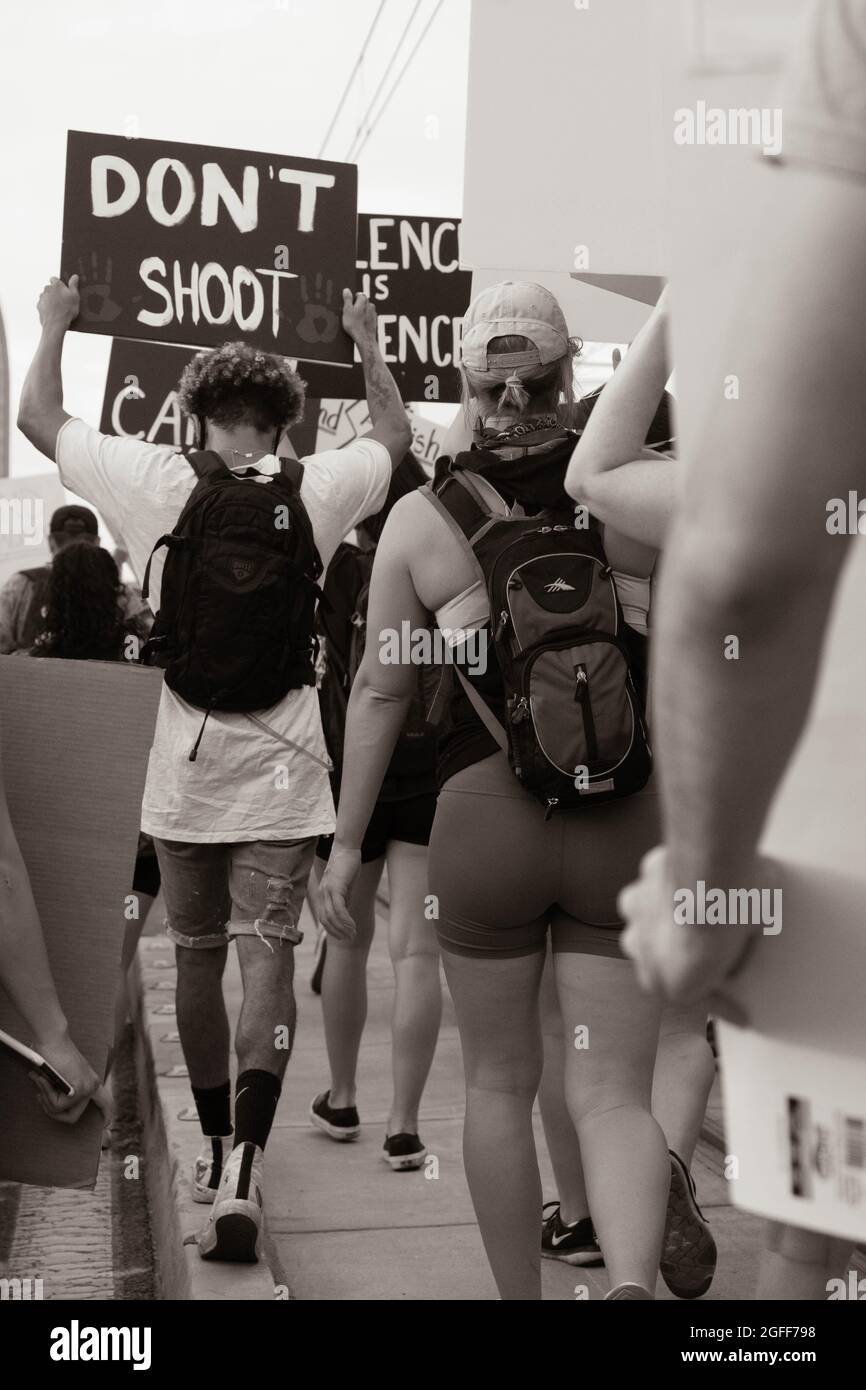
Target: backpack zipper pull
<point x="193" y="754"/>
<point x="552" y="803"/>
<point x="581" y="684"/>
<point x="501" y="625"/>
<point x="519" y="710"/>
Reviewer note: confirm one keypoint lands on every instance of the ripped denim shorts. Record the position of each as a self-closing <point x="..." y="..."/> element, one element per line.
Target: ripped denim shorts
<point x="251" y="888"/>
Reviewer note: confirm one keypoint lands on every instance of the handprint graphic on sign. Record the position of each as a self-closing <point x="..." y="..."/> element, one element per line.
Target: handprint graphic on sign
<point x="94" y="287"/>
<point x="321" y="319"/>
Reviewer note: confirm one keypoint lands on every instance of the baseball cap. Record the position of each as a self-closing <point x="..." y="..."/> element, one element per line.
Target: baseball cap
<point x="518" y="307"/>
<point x="73" y="520"/>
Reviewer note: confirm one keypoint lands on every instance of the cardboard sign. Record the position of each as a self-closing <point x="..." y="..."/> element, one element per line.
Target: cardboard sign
<point x="75" y="739"/>
<point x="196" y="244"/>
<point x="409" y="267"/>
<point x="141" y="398"/>
<point x="26" y="505"/>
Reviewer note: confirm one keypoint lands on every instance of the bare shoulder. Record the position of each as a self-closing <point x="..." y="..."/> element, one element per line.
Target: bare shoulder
<point x="410" y="520"/>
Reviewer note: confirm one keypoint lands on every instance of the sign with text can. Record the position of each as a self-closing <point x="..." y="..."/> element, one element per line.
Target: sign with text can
<point x="141" y="398"/>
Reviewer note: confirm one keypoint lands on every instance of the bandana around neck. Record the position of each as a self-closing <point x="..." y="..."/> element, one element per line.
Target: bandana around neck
<point x="524" y="470"/>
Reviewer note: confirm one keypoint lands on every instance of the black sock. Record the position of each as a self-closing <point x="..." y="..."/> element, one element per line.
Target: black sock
<point x="256" y="1096"/>
<point x="214" y="1106"/>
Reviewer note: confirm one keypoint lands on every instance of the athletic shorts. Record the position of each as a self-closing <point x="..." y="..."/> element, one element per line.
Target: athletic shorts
<point x="410" y="820"/>
<point x="214" y="893"/>
<point x="504" y="876"/>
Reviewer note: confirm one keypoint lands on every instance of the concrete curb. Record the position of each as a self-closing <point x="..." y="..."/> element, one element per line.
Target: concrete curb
<point x="170" y="1145"/>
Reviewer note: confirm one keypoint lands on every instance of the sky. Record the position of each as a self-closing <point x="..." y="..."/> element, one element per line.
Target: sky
<point x="253" y="74"/>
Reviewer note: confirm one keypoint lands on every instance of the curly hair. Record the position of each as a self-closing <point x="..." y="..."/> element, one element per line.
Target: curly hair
<point x="237" y="384"/>
<point x="84" y="620"/>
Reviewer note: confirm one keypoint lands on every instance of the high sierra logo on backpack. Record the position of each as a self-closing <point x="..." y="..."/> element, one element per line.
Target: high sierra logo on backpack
<point x="239" y="589"/>
<point x="574" y="729"/>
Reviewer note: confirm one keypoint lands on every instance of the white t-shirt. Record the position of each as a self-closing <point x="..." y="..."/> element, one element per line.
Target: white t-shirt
<point x="244" y="784"/>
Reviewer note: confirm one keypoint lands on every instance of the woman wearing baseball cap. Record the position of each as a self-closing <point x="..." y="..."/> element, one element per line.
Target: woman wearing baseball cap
<point x="502" y="875"/>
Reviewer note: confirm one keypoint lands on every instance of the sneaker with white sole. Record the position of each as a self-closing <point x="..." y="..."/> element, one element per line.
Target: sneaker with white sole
<point x="207" y="1171"/>
<point x="234" y="1228"/>
<point x="403" y="1152"/>
<point x="574" y="1244"/>
<point x="340" y="1124"/>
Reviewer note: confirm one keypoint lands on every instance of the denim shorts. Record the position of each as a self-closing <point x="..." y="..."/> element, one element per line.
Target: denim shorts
<point x="251" y="888"/>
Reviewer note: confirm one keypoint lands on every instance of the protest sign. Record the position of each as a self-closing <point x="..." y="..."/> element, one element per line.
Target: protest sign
<point x="409" y="267"/>
<point x="75" y="739"/>
<point x="26" y="505"/>
<point x="141" y="398"/>
<point x="198" y="244"/>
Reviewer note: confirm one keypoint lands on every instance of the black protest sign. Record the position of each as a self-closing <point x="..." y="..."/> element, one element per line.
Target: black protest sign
<point x="141" y="398"/>
<point x="410" y="268"/>
<point x="196" y="244"/>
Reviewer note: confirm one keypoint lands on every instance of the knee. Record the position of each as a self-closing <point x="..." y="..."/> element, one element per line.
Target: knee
<point x="518" y="1080"/>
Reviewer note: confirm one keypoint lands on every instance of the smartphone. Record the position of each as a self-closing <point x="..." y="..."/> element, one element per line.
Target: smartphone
<point x="37" y="1063"/>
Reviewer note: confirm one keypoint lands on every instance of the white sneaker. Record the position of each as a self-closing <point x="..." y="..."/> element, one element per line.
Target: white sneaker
<point x="234" y="1228"/>
<point x="207" y="1171"/>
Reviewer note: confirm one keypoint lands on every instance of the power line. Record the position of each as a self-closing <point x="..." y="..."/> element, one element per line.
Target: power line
<point x="351" y="76"/>
<point x="385" y="75"/>
<point x="383" y="108"/>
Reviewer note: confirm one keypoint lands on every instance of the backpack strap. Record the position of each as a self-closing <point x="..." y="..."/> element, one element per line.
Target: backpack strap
<point x="293" y="471"/>
<point x="485" y="714"/>
<point x="206" y="464"/>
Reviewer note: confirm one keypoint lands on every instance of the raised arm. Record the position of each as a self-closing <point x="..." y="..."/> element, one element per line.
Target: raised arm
<point x="40" y="412"/>
<point x="750" y="556"/>
<point x="610" y="470"/>
<point x="390" y="422"/>
<point x="379" y="703"/>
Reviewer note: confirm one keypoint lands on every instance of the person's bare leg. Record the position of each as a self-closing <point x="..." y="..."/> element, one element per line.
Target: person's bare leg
<point x="496" y="1002"/>
<point x="202" y="1021"/>
<point x="418" y="993"/>
<point x="559" y="1130"/>
<point x="131" y="936"/>
<point x="683" y="1078"/>
<point x="797" y="1265"/>
<point x="608" y="1089"/>
<point x="266" y="1024"/>
<point x="344" y="988"/>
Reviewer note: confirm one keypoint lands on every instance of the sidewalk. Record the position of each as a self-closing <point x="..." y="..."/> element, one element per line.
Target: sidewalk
<point x="341" y="1225"/>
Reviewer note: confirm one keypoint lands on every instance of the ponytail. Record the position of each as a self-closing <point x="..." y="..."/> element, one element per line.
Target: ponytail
<point x="514" y="394"/>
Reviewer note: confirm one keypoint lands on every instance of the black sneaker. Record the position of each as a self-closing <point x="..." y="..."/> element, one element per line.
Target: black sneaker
<point x="403" y="1151"/>
<point x="575" y="1244"/>
<point x="341" y="1125"/>
<point x="689" y="1254"/>
<point x="319" y="967"/>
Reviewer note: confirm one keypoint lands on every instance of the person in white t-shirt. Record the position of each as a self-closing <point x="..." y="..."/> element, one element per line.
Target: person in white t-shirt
<point x="236" y="829"/>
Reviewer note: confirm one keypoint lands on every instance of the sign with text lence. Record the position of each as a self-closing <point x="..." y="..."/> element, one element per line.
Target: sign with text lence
<point x="410" y="268"/>
<point x="196" y="244"/>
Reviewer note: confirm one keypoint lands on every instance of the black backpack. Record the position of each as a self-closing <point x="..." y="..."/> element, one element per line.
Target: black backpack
<point x="235" y="628"/>
<point x="574" y="731"/>
<point x="345" y="634"/>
